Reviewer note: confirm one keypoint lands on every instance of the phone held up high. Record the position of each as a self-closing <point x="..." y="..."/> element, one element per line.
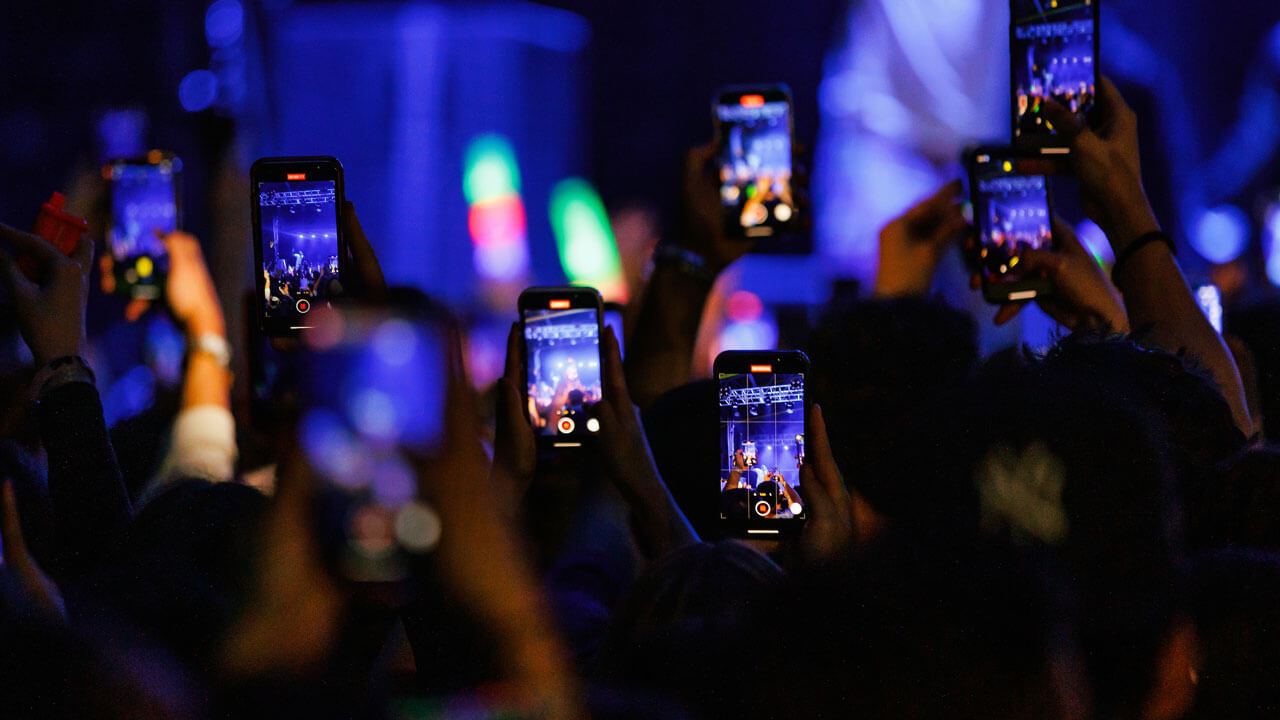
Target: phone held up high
<point x="754" y="133"/>
<point x="1012" y="213"/>
<point x="371" y="394"/>
<point x="562" y="328"/>
<point x="146" y="203"/>
<point x="298" y="245"/>
<point x="762" y="440"/>
<point x="1053" y="48"/>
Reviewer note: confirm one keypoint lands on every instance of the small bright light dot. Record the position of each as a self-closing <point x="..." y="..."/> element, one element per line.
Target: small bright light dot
<point x="782" y="212"/>
<point x="796" y="508"/>
<point x="374" y="415"/>
<point x="593" y="425"/>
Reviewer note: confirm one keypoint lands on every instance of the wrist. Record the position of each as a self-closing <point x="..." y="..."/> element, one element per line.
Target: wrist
<point x="203" y="324"/>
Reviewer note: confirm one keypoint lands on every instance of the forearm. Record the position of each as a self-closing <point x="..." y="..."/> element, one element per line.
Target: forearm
<point x="658" y="522"/>
<point x="1160" y="305"/>
<point x="660" y="351"/>
<point x="90" y="504"/>
<point x="207" y="381"/>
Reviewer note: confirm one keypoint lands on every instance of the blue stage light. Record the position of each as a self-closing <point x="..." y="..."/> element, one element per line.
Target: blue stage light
<point x="1220" y="234"/>
<point x="223" y="23"/>
<point x="198" y="90"/>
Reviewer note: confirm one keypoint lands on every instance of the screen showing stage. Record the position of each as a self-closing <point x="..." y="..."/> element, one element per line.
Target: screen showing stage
<point x="563" y="371"/>
<point x="755" y="165"/>
<point x="1053" y="58"/>
<point x="299" y="246"/>
<point x="761" y="445"/>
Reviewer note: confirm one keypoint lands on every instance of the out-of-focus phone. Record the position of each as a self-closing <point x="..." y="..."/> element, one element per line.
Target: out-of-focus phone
<point x="1053" y="46"/>
<point x="371" y="394"/>
<point x="762" y="440"/>
<point x="561" y="328"/>
<point x="613" y="318"/>
<point x="754" y="133"/>
<point x="1209" y="297"/>
<point x="145" y="199"/>
<point x="298" y="245"/>
<point x="1012" y="213"/>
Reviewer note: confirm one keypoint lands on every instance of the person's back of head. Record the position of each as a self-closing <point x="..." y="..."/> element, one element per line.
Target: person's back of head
<point x="916" y="628"/>
<point x="1065" y="463"/>
<point x="882" y="372"/>
<point x="185" y="564"/>
<point x="1185" y="398"/>
<point x="674" y="631"/>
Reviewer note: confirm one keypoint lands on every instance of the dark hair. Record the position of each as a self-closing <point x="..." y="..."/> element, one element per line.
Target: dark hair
<point x="880" y="371"/>
<point x="920" y="627"/>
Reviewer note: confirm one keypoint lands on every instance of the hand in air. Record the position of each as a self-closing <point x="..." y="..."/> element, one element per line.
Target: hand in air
<point x="189" y="290"/>
<point x="50" y="310"/>
<point x="1105" y="158"/>
<point x="1082" y="299"/>
<point x="34" y="585"/>
<point x="829" y="529"/>
<point x="912" y="245"/>
<point x="703" y="230"/>
<point x="515" y="450"/>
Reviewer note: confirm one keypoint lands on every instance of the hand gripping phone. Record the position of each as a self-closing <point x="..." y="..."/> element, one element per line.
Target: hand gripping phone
<point x="146" y="203"/>
<point x="562" y="328"/>
<point x="1009" y="190"/>
<point x="754" y="133"/>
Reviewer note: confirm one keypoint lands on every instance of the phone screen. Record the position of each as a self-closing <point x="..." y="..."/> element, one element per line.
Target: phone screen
<point x="299" y="225"/>
<point x="372" y="394"/>
<point x="1053" y="46"/>
<point x="1011" y="214"/>
<point x="761" y="444"/>
<point x="755" y="161"/>
<point x="562" y="362"/>
<point x="144" y="202"/>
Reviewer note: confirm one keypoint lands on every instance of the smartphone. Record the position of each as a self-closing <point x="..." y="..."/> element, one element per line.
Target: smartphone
<point x="1009" y="190"/>
<point x="613" y="318"/>
<point x="561" y="328"/>
<point x="372" y="390"/>
<point x="762" y="439"/>
<point x="1209" y="297"/>
<point x="145" y="199"/>
<point x="298" y="245"/>
<point x="754" y="133"/>
<point x="1053" y="48"/>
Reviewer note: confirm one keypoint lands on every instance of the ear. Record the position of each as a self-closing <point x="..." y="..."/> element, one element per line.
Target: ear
<point x="1175" y="687"/>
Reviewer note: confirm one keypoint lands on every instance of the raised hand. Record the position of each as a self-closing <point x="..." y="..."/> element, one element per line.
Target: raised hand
<point x="1082" y="298"/>
<point x="912" y="245"/>
<point x="828" y="531"/>
<point x="51" y="308"/>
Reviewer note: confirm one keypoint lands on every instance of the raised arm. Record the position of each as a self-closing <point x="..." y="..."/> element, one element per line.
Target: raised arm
<point x="90" y="505"/>
<point x="1160" y="306"/>
<point x="660" y="350"/>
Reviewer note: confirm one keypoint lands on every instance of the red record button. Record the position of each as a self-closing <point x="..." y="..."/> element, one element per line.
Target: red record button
<point x="303" y="305"/>
<point x="566" y="425"/>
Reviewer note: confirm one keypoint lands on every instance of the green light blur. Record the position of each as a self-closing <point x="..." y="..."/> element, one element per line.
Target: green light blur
<point x="588" y="251"/>
<point x="489" y="169"/>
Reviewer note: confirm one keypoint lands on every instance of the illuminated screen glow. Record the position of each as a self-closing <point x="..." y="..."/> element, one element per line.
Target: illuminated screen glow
<point x="761" y="445"/>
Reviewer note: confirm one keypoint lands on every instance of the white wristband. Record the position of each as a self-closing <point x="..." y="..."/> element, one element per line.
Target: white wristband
<point x="214" y="345"/>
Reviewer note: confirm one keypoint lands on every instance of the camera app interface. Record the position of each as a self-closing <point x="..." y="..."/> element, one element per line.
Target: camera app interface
<point x="563" y="362"/>
<point x="755" y="164"/>
<point x="142" y="204"/>
<point x="1011" y="212"/>
<point x="1052" y="59"/>
<point x="761" y="444"/>
<point x="299" y="246"/>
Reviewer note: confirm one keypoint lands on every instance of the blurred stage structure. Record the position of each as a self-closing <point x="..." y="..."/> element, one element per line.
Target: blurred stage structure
<point x="400" y="92"/>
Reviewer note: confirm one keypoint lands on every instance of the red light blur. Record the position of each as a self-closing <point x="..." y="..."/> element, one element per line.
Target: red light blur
<point x="751" y="100"/>
<point x="295" y="176"/>
<point x="761" y="368"/>
<point x="559" y="304"/>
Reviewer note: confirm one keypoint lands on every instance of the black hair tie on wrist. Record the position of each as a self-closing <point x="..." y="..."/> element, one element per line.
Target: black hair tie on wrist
<point x="1142" y="241"/>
